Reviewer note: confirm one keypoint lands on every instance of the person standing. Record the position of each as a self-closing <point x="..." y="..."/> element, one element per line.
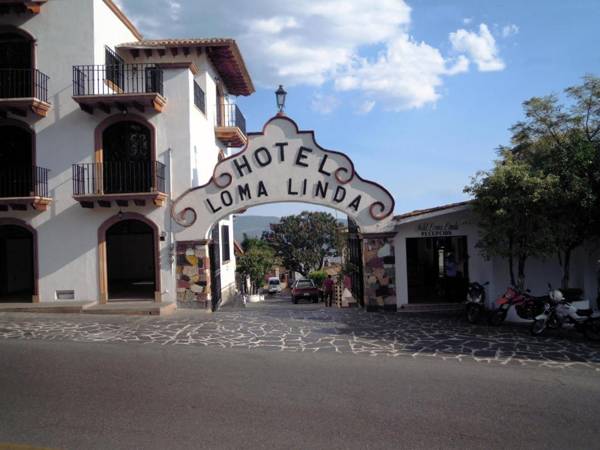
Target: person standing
<point x="328" y="290"/>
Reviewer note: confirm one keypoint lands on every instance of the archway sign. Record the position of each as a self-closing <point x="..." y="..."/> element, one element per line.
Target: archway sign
<point x="282" y="164"/>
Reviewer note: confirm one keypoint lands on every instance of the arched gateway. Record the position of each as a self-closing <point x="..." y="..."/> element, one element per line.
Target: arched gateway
<point x="279" y="164"/>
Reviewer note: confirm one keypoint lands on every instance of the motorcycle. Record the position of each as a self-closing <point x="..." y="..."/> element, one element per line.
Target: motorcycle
<point x="475" y="304"/>
<point x="527" y="306"/>
<point x="559" y="313"/>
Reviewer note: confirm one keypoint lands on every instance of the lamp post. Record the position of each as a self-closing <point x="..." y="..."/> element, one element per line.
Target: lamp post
<point x="280" y="96"/>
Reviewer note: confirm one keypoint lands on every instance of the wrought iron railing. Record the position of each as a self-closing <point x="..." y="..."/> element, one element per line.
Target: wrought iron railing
<point x="118" y="177"/>
<point x="117" y="79"/>
<point x="229" y="115"/>
<point x="23" y="83"/>
<point x="23" y="181"/>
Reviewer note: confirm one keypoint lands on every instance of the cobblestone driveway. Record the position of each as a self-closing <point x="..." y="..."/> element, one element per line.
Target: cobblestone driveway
<point x="281" y="326"/>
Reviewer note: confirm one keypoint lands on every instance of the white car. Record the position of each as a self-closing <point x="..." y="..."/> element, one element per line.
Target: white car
<point x="274" y="285"/>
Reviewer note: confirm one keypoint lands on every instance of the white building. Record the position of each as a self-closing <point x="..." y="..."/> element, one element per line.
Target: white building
<point x="99" y="131"/>
<point x="429" y="256"/>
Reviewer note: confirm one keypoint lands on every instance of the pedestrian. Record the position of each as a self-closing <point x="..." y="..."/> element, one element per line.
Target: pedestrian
<point x="328" y="290"/>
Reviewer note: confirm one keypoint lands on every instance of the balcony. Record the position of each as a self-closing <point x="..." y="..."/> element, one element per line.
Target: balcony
<point x="120" y="86"/>
<point x="23" y="186"/>
<point x="21" y="6"/>
<point x="119" y="182"/>
<point x="230" y="127"/>
<point x="23" y="90"/>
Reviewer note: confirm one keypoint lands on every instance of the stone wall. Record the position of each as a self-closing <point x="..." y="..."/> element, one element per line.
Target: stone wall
<point x="193" y="274"/>
<point x="379" y="272"/>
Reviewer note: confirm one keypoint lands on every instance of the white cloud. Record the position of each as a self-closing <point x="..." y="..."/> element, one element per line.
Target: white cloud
<point x="347" y="45"/>
<point x="467" y="20"/>
<point x="323" y="103"/>
<point x="509" y="30"/>
<point x="366" y="107"/>
<point x="480" y="48"/>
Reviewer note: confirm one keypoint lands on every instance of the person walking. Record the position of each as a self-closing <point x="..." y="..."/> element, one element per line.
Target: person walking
<point x="328" y="290"/>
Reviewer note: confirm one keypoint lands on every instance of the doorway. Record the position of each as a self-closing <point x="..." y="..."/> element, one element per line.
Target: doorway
<point x="16" y="161"/>
<point x="131" y="261"/>
<point x="16" y="264"/>
<point x="437" y="269"/>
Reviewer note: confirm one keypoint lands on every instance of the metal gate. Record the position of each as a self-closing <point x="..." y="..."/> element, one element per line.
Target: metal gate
<point x="355" y="261"/>
<point x="215" y="267"/>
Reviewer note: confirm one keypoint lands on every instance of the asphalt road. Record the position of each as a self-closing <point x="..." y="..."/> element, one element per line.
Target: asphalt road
<point x="72" y="395"/>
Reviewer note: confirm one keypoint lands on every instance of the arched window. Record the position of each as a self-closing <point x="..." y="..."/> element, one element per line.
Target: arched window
<point x="127" y="157"/>
<point x="16" y="64"/>
<point x="16" y="161"/>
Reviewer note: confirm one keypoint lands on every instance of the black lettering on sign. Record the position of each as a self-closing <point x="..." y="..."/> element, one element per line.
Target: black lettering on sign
<point x="244" y="192"/>
<point x="302" y="154"/>
<point x="226" y="198"/>
<point x="262" y="190"/>
<point x="244" y="165"/>
<point x="263" y="156"/>
<point x="281" y="146"/>
<point x="212" y="208"/>
<point x="290" y="192"/>
<point x="340" y="194"/>
<point x="304" y="183"/>
<point x="324" y="172"/>
<point x="321" y="189"/>
<point x="355" y="203"/>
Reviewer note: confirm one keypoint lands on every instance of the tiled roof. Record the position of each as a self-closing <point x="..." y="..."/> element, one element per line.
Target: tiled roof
<point x="421" y="212"/>
<point x="223" y="53"/>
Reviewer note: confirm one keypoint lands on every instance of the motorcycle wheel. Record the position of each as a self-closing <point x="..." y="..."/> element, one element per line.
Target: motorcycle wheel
<point x="497" y="317"/>
<point x="538" y="327"/>
<point x="591" y="330"/>
<point x="473" y="313"/>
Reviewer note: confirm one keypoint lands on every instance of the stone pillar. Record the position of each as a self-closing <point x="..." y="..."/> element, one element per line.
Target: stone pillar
<point x="193" y="274"/>
<point x="379" y="271"/>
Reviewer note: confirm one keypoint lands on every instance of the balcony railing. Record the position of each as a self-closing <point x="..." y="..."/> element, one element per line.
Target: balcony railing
<point x="23" y="83"/>
<point x="117" y="79"/>
<point x="23" y="181"/>
<point x="118" y="177"/>
<point x="230" y="116"/>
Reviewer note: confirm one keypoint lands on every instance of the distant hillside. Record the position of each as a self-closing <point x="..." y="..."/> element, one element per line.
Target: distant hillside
<point x="253" y="226"/>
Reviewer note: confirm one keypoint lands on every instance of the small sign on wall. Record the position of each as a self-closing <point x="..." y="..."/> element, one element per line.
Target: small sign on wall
<point x="431" y="229"/>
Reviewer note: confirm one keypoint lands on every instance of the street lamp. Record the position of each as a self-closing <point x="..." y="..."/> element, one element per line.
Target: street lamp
<point x="280" y="95"/>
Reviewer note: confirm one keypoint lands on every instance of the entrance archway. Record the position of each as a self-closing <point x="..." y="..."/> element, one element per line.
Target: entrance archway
<point x="129" y="261"/>
<point x="17" y="263"/>
<point x="283" y="164"/>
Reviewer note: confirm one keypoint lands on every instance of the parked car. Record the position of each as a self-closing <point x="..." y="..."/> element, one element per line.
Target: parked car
<point x="274" y="285"/>
<point x="305" y="289"/>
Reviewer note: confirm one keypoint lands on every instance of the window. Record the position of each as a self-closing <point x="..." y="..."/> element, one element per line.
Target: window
<point x="199" y="98"/>
<point x="225" y="243"/>
<point x="115" y="69"/>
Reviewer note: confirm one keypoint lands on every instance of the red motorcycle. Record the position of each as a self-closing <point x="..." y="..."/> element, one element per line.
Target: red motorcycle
<point x="526" y="305"/>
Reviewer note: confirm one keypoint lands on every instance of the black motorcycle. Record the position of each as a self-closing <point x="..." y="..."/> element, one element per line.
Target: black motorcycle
<point x="475" y="304"/>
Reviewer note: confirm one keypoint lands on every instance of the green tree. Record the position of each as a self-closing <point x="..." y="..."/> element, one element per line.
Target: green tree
<point x="303" y="241"/>
<point x="564" y="140"/>
<point x="511" y="201"/>
<point x="256" y="262"/>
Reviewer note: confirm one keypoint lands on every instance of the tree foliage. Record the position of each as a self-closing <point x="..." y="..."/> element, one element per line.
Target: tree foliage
<point x="256" y="262"/>
<point x="303" y="241"/>
<point x="548" y="183"/>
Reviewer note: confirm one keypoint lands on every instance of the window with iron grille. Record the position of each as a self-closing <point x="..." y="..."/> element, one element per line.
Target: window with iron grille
<point x="225" y="243"/>
<point x="115" y="70"/>
<point x="199" y="98"/>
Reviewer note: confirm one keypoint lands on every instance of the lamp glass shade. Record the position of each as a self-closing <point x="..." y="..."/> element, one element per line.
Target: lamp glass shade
<point x="280" y="94"/>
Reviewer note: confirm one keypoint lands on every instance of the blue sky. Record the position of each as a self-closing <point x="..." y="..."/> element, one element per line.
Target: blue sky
<point x="418" y="93"/>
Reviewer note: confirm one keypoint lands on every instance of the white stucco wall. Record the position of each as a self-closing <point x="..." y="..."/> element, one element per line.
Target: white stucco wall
<point x="107" y="31"/>
<point x="538" y="272"/>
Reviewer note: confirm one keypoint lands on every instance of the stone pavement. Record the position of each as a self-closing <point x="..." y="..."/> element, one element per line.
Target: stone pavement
<point x="281" y="326"/>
